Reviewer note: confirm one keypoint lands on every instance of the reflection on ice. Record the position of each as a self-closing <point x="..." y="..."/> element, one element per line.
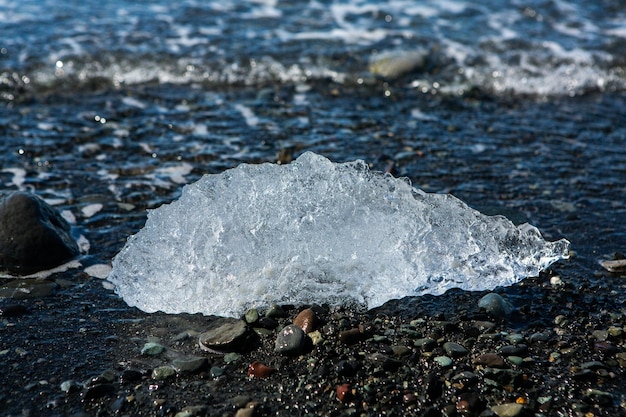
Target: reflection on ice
<point x="317" y="232"/>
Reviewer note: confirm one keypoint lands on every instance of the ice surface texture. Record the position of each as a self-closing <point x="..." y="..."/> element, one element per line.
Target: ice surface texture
<point x="315" y="231"/>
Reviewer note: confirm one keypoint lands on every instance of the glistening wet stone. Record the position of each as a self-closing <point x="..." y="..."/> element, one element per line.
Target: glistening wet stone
<point x="225" y="334"/>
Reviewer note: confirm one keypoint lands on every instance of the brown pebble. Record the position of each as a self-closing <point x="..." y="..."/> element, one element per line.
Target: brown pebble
<point x="490" y="360"/>
<point x="409" y="398"/>
<point x="259" y="370"/>
<point x="305" y="320"/>
<point x="344" y="392"/>
<point x="351" y="336"/>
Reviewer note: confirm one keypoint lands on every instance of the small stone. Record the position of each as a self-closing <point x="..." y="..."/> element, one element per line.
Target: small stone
<point x="383" y="361"/>
<point x="163" y="372"/>
<point x="258" y="370"/>
<point x="190" y="364"/>
<point x="316" y="337"/>
<point x="515" y="360"/>
<point x="443" y="361"/>
<point x="232" y="357"/>
<point x="508" y="410"/>
<point x="514" y="350"/>
<point x="275" y="312"/>
<point x="600" y="335"/>
<point x="617" y="265"/>
<point x="454" y="349"/>
<point x="503" y="377"/>
<point x="33" y="235"/>
<point x="425" y="344"/>
<point x="496" y="305"/>
<point x="290" y="340"/>
<point x="152" y="349"/>
<point x="351" y="336"/>
<point x="130" y="375"/>
<point x="251" y="316"/>
<point x="490" y="360"/>
<point x="224" y="335"/>
<point x="98" y="391"/>
<point x="344" y="392"/>
<point x="305" y="320"/>
<point x="70" y="386"/>
<point x="192" y="411"/>
<point x="216" y="372"/>
<point x="400" y="350"/>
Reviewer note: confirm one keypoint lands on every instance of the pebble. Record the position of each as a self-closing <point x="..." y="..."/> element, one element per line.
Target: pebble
<point x="275" y="312"/>
<point x="33" y="235"/>
<point x="508" y="410"/>
<point x="351" y="336"/>
<point x="495" y="305"/>
<point x="152" y="349"/>
<point x="259" y="370"/>
<point x="190" y="365"/>
<point x="305" y="320"/>
<point x="490" y="360"/>
<point x="290" y="340"/>
<point x="224" y="335"/>
<point x="443" y="361"/>
<point x="344" y="392"/>
<point x="251" y="316"/>
<point x="316" y="337"/>
<point x="454" y="349"/>
<point x="514" y="350"/>
<point x="216" y="372"/>
<point x="163" y="372"/>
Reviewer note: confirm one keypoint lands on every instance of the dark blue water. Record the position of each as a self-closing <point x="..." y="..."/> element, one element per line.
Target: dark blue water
<point x="107" y="109"/>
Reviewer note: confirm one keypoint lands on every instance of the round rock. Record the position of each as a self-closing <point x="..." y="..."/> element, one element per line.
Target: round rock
<point x="290" y="340"/>
<point x="495" y="305"/>
<point x="224" y="335"/>
<point x="33" y="235"/>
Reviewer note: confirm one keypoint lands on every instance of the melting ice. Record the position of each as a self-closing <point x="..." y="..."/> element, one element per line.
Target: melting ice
<point x="315" y="231"/>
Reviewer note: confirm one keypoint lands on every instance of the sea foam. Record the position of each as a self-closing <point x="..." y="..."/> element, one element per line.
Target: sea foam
<point x="315" y="231"/>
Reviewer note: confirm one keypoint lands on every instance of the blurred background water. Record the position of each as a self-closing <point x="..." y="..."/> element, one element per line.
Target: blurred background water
<point x="517" y="107"/>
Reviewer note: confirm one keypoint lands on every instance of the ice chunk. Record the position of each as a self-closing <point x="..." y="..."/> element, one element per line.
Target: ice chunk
<point x="315" y="231"/>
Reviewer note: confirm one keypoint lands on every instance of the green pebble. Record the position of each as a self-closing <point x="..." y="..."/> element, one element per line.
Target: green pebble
<point x="252" y="316"/>
<point x="152" y="349"/>
<point x="515" y="360"/>
<point x="232" y="357"/>
<point x="516" y="338"/>
<point x="275" y="312"/>
<point x="216" y="371"/>
<point x="508" y="410"/>
<point x="163" y="372"/>
<point x="443" y="361"/>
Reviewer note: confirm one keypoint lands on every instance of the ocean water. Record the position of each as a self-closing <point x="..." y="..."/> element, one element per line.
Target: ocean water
<point x="516" y="107"/>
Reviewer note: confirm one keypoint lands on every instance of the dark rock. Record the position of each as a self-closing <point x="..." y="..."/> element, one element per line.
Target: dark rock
<point x="346" y="368"/>
<point x="496" y="306"/>
<point x="291" y="340"/>
<point x="98" y="391"/>
<point x="190" y="365"/>
<point x="12" y="310"/>
<point x="514" y="350"/>
<point x="33" y="235"/>
<point x="504" y="377"/>
<point x="130" y="375"/>
<point x="454" y="349"/>
<point x="27" y="288"/>
<point x="225" y="335"/>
